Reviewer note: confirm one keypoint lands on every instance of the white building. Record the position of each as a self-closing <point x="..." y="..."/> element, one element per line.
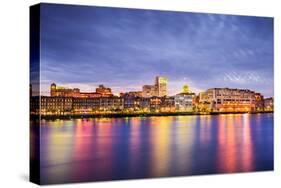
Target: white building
<point x="184" y="101"/>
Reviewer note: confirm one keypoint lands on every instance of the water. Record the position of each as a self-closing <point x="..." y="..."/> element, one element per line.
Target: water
<point x="125" y="148"/>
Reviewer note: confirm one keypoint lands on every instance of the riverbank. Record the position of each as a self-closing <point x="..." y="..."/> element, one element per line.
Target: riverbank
<point x="116" y="115"/>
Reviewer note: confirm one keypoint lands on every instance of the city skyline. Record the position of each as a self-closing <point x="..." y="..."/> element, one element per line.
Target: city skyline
<point x="182" y="89"/>
<point x="125" y="48"/>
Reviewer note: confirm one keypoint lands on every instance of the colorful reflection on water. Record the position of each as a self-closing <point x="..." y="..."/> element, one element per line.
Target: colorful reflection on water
<point x="124" y="148"/>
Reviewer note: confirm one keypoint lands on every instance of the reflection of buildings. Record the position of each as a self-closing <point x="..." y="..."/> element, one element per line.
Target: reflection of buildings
<point x="231" y="100"/>
<point x="159" y="89"/>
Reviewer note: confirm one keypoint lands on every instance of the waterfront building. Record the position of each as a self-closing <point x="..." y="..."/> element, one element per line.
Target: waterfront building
<point x="130" y="103"/>
<point x="85" y="105"/>
<point x="111" y="104"/>
<point x="269" y="104"/>
<point x="59" y="91"/>
<point x="144" y="104"/>
<point x="184" y="101"/>
<point x="259" y="102"/>
<point x="97" y="105"/>
<point x="167" y="104"/>
<point x="64" y="101"/>
<point x="155" y="104"/>
<point x="136" y="104"/>
<point x="55" y="105"/>
<point x="229" y="100"/>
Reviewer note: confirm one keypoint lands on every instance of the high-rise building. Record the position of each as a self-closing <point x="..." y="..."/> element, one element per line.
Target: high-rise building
<point x="159" y="89"/>
<point x="161" y="86"/>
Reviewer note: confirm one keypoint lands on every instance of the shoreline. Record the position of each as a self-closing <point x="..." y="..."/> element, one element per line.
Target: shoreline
<point x="119" y="115"/>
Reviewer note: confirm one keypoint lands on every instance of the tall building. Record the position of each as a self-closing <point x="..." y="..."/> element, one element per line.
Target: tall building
<point x="159" y="89"/>
<point x="161" y="86"/>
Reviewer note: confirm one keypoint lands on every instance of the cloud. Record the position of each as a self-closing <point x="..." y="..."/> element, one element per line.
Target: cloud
<point x="127" y="48"/>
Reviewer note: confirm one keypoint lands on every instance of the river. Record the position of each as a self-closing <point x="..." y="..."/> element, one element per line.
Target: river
<point x="101" y="149"/>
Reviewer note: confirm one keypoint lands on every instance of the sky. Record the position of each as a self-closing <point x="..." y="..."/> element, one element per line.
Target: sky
<point x="84" y="46"/>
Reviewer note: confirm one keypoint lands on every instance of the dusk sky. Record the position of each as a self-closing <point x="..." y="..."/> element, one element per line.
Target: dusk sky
<point x="83" y="46"/>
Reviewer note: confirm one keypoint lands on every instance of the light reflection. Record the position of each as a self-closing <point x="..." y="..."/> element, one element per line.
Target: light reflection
<point x="56" y="149"/>
<point x="205" y="129"/>
<point x="182" y="153"/>
<point x="134" y="144"/>
<point x="114" y="148"/>
<point x="235" y="143"/>
<point x="82" y="147"/>
<point x="247" y="157"/>
<point x="160" y="135"/>
<point x="227" y="156"/>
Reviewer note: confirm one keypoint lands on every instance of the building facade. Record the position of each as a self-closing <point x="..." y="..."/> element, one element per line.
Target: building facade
<point x="64" y="101"/>
<point x="269" y="104"/>
<point x="132" y="94"/>
<point x="104" y="91"/>
<point x="161" y="86"/>
<point x="56" y="105"/>
<point x="159" y="89"/>
<point x="230" y="100"/>
<point x="184" y="101"/>
<point x="59" y="91"/>
<point x="148" y="91"/>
